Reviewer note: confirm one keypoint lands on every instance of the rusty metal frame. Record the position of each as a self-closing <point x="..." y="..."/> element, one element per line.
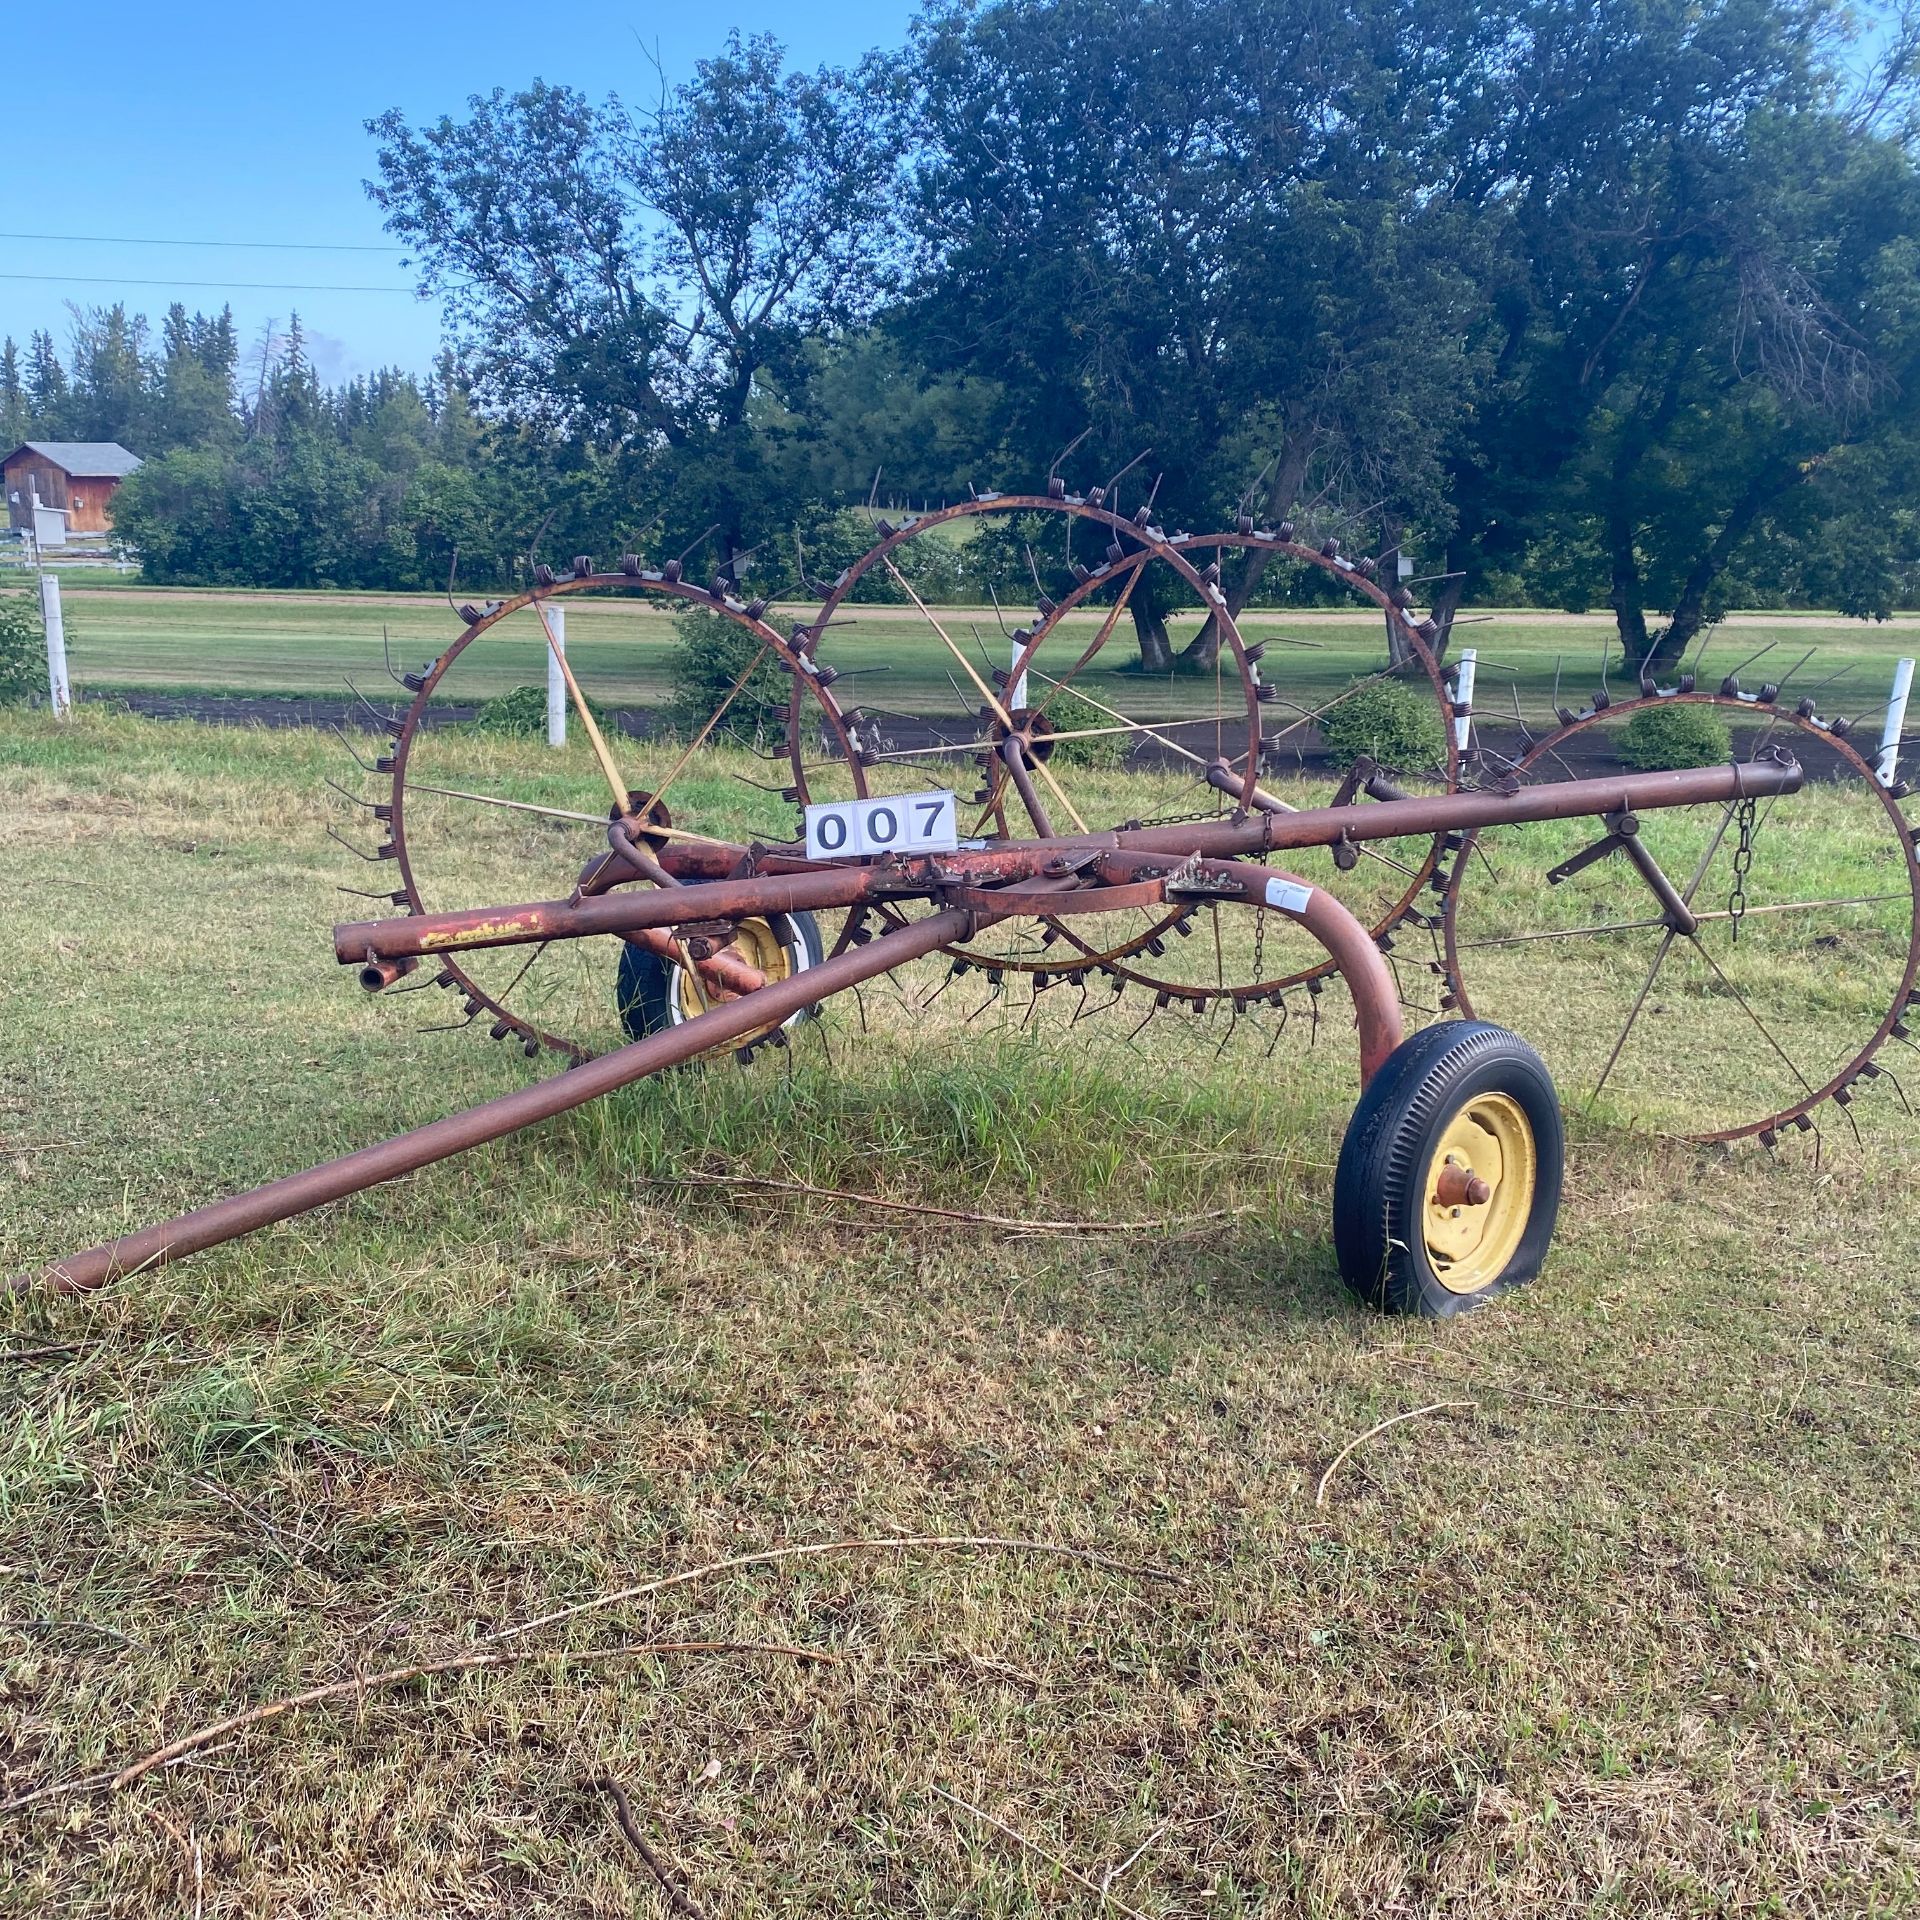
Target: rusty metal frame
<point x="697" y="889"/>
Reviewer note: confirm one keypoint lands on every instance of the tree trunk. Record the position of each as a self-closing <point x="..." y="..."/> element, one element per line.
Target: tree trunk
<point x="1202" y="652"/>
<point x="1150" y="629"/>
<point x="1690" y="609"/>
<point x="1446" y="603"/>
<point x="1623" y="594"/>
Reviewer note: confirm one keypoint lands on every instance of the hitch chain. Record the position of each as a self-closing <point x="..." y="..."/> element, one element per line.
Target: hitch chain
<point x="1742" y="866"/>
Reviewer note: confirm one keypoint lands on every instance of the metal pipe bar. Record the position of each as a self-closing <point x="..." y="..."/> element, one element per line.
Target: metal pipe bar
<point x="242" y="1213"/>
<point x="430" y="933"/>
<point x="787" y="884"/>
<point x="1376" y="1000"/>
<point x="1678" y="915"/>
<point x="1462" y="812"/>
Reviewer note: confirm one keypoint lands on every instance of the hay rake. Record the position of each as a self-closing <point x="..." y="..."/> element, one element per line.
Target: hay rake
<point x="1131" y="840"/>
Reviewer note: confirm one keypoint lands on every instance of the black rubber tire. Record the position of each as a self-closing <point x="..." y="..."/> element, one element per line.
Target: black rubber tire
<point x="1381" y="1182"/>
<point x="644" y="989"/>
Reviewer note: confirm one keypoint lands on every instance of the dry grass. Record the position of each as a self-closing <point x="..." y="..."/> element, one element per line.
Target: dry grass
<point x="1641" y="1634"/>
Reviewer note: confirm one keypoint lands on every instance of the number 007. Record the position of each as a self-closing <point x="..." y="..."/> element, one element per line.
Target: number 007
<point x="901" y="823"/>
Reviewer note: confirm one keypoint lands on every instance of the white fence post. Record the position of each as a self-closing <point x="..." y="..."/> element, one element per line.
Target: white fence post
<point x="1017" y="691"/>
<point x="1463" y="696"/>
<point x="556" y="680"/>
<point x="1895" y="722"/>
<point x="59" y="688"/>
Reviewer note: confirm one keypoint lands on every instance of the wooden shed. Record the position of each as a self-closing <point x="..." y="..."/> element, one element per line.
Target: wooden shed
<point x="77" y="477"/>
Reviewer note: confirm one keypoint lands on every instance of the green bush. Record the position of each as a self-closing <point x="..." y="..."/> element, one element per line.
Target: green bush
<point x="23" y="651"/>
<point x="1395" y="722"/>
<point x="1068" y="713"/>
<point x="710" y="653"/>
<point x="1664" y="739"/>
<point x="522" y="714"/>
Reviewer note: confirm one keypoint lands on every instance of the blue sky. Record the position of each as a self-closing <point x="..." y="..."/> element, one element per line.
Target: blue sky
<point x="230" y="123"/>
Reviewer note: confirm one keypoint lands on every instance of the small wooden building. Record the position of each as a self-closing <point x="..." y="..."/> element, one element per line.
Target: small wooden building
<point x="75" y="477"/>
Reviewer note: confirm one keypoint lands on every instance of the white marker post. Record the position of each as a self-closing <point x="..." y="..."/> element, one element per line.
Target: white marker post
<point x="1017" y="689"/>
<point x="1895" y="722"/>
<point x="1463" y="696"/>
<point x="556" y="680"/>
<point x="59" y="688"/>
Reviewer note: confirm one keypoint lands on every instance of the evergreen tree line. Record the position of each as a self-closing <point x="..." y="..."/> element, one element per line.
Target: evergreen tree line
<point x="1585" y="302"/>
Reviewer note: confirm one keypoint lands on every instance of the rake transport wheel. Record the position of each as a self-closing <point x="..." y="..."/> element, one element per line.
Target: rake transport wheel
<point x="654" y="993"/>
<point x="1051" y="728"/>
<point x="1448" y="1182"/>
<point x="1714" y="973"/>
<point x="477" y="816"/>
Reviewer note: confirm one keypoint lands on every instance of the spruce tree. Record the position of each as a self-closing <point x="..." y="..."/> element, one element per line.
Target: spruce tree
<point x="13" y="398"/>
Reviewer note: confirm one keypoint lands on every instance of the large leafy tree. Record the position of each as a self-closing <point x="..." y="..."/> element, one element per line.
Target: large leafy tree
<point x="1205" y="229"/>
<point x="1703" y="299"/>
<point x="635" y="277"/>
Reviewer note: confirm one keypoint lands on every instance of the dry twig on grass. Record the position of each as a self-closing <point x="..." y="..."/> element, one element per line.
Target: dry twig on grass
<point x="1105" y="1894"/>
<point x="670" y="1878"/>
<point x="1007" y="1224"/>
<point x="394" y="1676"/>
<point x="20" y="1355"/>
<point x="904" y="1543"/>
<point x="1393" y="1420"/>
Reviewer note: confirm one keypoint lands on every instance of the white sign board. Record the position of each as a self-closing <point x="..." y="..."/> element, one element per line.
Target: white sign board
<point x="901" y="823"/>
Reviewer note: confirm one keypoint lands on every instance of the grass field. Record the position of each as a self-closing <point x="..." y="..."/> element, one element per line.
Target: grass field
<point x="188" y="641"/>
<point x="1630" y="1626"/>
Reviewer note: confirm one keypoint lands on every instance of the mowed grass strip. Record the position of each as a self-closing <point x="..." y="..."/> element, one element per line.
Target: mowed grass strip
<point x="196" y="642"/>
<point x="1637" y="1634"/>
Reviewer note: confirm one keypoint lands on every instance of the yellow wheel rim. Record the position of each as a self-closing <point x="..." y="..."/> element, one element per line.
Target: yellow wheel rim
<point x="761" y="948"/>
<point x="1478" y="1195"/>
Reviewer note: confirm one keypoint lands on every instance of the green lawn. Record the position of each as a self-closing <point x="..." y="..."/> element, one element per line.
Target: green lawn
<point x="185" y="640"/>
<point x="1630" y="1626"/>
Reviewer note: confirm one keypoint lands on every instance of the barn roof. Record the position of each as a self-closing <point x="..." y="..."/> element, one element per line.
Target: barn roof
<point x="84" y="459"/>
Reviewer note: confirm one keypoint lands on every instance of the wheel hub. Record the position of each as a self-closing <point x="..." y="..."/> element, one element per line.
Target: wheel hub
<point x="1479" y="1192"/>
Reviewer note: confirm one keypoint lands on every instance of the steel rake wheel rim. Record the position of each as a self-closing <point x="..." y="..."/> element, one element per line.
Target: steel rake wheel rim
<point x="1077" y="954"/>
<point x="1835" y="1086"/>
<point x="641" y="587"/>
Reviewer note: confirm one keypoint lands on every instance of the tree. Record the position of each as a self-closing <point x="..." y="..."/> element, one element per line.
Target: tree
<point x="1199" y="228"/>
<point x="190" y="399"/>
<point x="1702" y="298"/>
<point x="632" y="277"/>
<point x="13" y="397"/>
<point x="46" y="386"/>
<point x="108" y="361"/>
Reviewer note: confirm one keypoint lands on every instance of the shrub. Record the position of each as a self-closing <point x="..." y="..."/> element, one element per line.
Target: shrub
<point x="710" y="653"/>
<point x="23" y="651"/>
<point x="1391" y="721"/>
<point x="1666" y="738"/>
<point x="522" y="714"/>
<point x="1068" y="713"/>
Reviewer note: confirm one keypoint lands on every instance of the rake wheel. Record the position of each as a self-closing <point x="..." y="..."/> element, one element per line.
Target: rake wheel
<point x="471" y="819"/>
<point x="1195" y="748"/>
<point x="1717" y="972"/>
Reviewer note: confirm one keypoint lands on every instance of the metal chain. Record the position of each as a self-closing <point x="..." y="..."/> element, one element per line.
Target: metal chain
<point x="1259" y="945"/>
<point x="1742" y="865"/>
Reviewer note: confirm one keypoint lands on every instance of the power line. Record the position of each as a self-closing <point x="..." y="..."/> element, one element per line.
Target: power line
<point x="214" y="286"/>
<point x="146" y="240"/>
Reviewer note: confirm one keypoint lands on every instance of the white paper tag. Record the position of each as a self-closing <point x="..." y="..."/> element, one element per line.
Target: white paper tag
<point x="1288" y="895"/>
